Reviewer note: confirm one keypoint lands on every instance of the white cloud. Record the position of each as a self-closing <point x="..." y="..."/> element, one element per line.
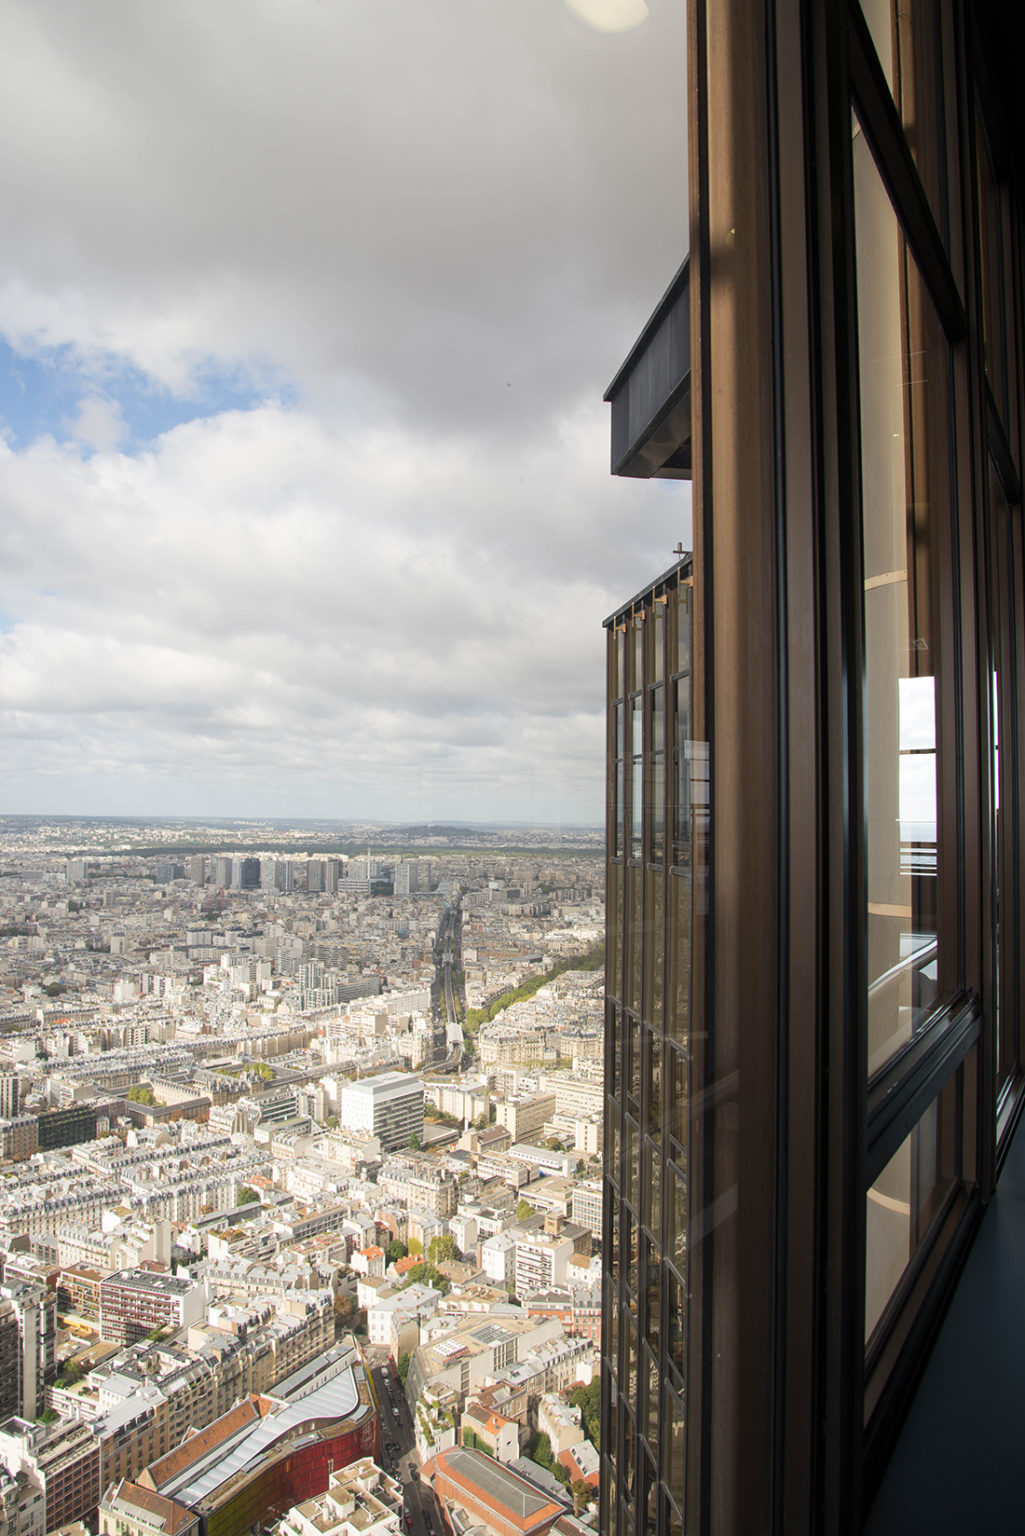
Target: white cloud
<point x="427" y="221"/>
<point x="265" y="593"/>
<point x="99" y="423"/>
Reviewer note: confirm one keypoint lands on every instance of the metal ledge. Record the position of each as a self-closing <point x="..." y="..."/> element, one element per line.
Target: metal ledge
<point x="650" y="395"/>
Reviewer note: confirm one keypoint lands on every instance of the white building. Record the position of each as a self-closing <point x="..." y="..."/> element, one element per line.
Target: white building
<point x="541" y="1262"/>
<point x="389" y="1106"/>
<point x="498" y="1259"/>
<point x="361" y="1500"/>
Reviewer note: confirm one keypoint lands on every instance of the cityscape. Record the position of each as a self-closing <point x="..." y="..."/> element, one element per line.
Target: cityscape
<point x="483" y="1053"/>
<point x="293" y="1136"/>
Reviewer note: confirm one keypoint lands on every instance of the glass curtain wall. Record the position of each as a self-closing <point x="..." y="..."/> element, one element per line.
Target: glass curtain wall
<point x="651" y="835"/>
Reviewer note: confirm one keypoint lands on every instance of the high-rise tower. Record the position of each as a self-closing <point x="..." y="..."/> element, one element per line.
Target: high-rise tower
<point x="816" y="764"/>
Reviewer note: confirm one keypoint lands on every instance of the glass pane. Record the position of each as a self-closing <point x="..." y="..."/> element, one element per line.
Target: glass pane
<point x="683" y="763"/>
<point x="679" y="982"/>
<point x="905" y="1198"/>
<point x="614" y="922"/>
<point x="633" y="1077"/>
<point x="677" y="1249"/>
<point x="903" y="361"/>
<point x="653" y="1297"/>
<point x="614" y="1049"/>
<point x="673" y="1450"/>
<point x="636" y="941"/>
<point x="636" y="809"/>
<point x="617" y="811"/>
<point x="656" y="895"/>
<point x="684" y="625"/>
<point x="1003" y="587"/>
<point x="998" y="289"/>
<point x="654" y="1096"/>
<point x="631" y="1155"/>
<point x="908" y="40"/>
<point x="677" y="1324"/>
<point x="653" y="1186"/>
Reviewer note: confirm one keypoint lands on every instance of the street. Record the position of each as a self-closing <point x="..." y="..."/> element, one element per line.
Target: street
<point x="398" y="1453"/>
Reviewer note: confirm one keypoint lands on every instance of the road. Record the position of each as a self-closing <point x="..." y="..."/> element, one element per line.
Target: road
<point x="398" y="1455"/>
<point x="445" y="957"/>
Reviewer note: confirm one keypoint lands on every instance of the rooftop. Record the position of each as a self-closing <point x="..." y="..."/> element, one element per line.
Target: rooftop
<point x="494" y="1485"/>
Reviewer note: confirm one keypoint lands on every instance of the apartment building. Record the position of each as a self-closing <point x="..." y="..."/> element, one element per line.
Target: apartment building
<point x="418" y="1184"/>
<point x="136" y="1302"/>
<point x="525" y="1115"/>
<point x="62" y="1459"/>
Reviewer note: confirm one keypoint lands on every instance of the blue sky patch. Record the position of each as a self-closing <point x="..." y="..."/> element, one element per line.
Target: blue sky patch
<point x="41" y="393"/>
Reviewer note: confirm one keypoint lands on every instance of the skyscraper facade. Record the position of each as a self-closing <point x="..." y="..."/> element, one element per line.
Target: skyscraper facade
<point x="815" y="1057"/>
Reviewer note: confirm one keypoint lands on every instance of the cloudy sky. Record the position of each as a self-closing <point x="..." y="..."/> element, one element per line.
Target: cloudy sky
<point x="306" y="312"/>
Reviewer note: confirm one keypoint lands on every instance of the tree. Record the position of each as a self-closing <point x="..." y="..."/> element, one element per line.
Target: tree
<point x="140" y="1094"/>
<point x="425" y="1274"/>
<point x="396" y="1250"/>
<point x="345" y="1307"/>
<point x="542" y="1453"/>
<point x="442" y="1248"/>
<point x="403" y="1368"/>
<point x="48" y="1416"/>
<point x="246" y="1195"/>
<point x="414" y="1245"/>
<point x="414" y="1143"/>
<point x="481" y="1122"/>
<point x="588" y="1400"/>
<point x="582" y="1493"/>
<point x="523" y="1210"/>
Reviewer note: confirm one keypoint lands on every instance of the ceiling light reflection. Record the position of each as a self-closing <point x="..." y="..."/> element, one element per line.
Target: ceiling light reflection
<point x="609" y="15"/>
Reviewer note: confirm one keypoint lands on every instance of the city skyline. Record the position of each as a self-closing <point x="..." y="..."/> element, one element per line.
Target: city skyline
<point x="305" y="320"/>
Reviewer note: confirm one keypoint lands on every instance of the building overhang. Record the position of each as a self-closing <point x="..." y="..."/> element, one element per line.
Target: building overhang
<point x="651" y="396"/>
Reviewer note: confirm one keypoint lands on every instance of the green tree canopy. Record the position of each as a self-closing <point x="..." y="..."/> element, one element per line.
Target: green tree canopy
<point x="523" y="1210"/>
<point x="588" y="1400"/>
<point x="246" y="1195"/>
<point x="140" y="1094"/>
<point x="442" y="1248"/>
<point x="592" y="960"/>
<point x="396" y="1250"/>
<point x="426" y="1274"/>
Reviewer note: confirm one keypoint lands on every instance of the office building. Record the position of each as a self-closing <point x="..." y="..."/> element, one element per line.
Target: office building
<point x="389" y="1106"/>
<point x="814" y="1055"/>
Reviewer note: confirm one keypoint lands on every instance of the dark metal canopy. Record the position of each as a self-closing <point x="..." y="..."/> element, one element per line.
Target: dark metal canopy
<point x="650" y="395"/>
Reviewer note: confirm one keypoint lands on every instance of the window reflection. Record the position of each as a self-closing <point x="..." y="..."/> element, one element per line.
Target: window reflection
<point x="903" y="363"/>
<point x="905" y="1199"/>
